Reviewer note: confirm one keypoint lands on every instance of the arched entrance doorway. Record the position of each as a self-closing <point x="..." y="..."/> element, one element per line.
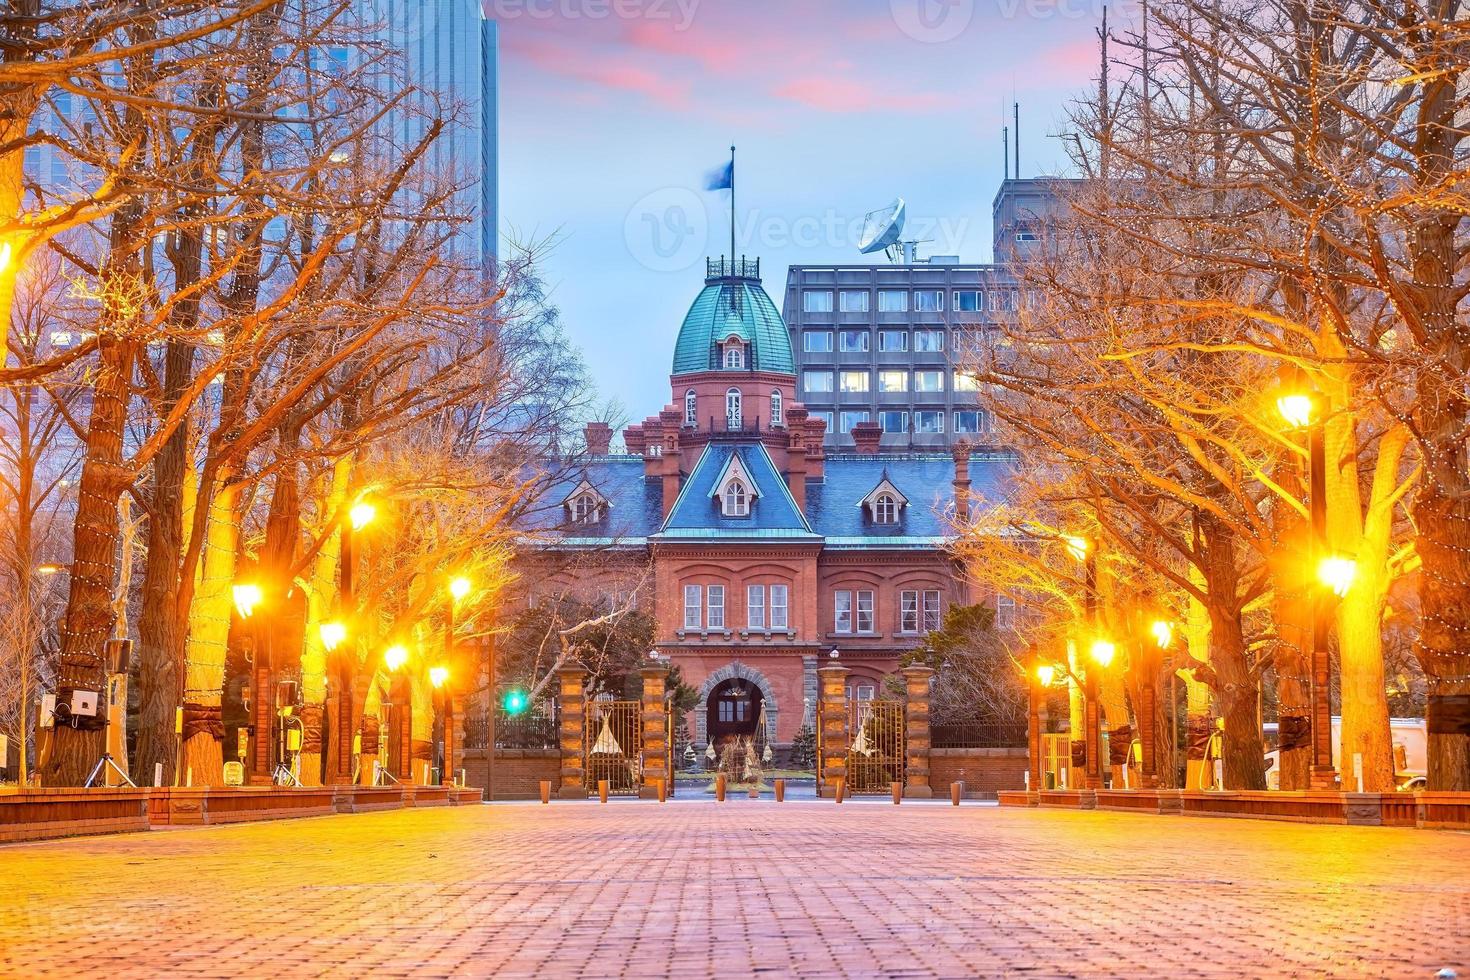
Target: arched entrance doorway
<point x="733" y="711"/>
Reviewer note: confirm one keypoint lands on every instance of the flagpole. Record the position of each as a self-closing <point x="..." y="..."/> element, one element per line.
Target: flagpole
<point x="732" y="210"/>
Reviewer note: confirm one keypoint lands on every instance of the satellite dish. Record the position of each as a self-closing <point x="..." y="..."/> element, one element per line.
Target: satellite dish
<point x="881" y="229"/>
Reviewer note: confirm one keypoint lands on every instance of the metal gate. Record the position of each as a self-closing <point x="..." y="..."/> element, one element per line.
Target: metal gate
<point x="875" y="757"/>
<point x="613" y="746"/>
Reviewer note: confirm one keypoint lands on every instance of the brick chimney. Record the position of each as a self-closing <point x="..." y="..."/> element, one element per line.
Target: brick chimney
<point x="669" y="420"/>
<point x="634" y="438"/>
<point x="796" y="419"/>
<point x="816" y="458"/>
<point x="599" y="438"/>
<point x="866" y="436"/>
<point x="961" y="453"/>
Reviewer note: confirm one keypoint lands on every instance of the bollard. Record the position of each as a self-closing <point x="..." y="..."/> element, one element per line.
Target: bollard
<point x="720" y="788"/>
<point x="602" y="791"/>
<point x="841" y="785"/>
<point x="754" y="793"/>
<point x="780" y="791"/>
<point x="663" y="790"/>
<point x="956" y="790"/>
<point x="897" y="793"/>
<point x="545" y="791"/>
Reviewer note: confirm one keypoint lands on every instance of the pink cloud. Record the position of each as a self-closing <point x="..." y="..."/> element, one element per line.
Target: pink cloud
<point x="848" y="95"/>
<point x="616" y="72"/>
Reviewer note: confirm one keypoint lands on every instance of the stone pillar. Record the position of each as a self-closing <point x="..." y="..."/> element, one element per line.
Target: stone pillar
<point x="451" y="740"/>
<point x="917" y="681"/>
<point x="371" y="738"/>
<point x="832" y="731"/>
<point x="656" y="732"/>
<point x="573" y="699"/>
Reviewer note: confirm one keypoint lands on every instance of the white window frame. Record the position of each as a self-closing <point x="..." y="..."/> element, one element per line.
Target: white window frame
<point x="755" y="607"/>
<point x="848" y="294"/>
<point x="937" y="413"/>
<point x="892" y="380"/>
<point x="885" y="509"/>
<point x="693" y="607"/>
<point x="846" y="377"/>
<point x="864" y="344"/>
<point x="937" y="377"/>
<point x="888" y="296"/>
<point x="691" y="409"/>
<point x="811" y="304"/>
<point x="938" y="295"/>
<point x="715" y="607"/>
<point x="735" y="499"/>
<point x="933" y="610"/>
<point x="842" y="611"/>
<point x="864" y="608"/>
<point x="929" y="332"/>
<point x="584" y="509"/>
<point x="979" y="304"/>
<point x="808" y="376"/>
<point x="780" y="606"/>
<point x="734" y="357"/>
<point x="734" y="408"/>
<point x="778" y="415"/>
<point x="903" y="425"/>
<point x="843" y="423"/>
<point x="908" y="611"/>
<point x="902" y="335"/>
<point x="806" y="341"/>
<point x="964" y="381"/>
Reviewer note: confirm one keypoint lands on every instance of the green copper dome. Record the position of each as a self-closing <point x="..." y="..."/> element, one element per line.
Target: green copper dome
<point x="733" y="305"/>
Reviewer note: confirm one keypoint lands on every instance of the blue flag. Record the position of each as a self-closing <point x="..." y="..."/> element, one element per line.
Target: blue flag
<point x="721" y="179"/>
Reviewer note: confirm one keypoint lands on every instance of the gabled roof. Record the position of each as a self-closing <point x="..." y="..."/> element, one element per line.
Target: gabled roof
<point x="697" y="515"/>
<point x="927" y="480"/>
<point x="634" y="504"/>
<point x="583" y="488"/>
<point x="885" y="485"/>
<point x="734" y="469"/>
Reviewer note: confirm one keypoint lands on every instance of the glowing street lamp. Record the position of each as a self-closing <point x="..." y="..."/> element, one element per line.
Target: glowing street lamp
<point x="361" y="514"/>
<point x="332" y="634"/>
<point x="1078" y="547"/>
<point x="50" y="568"/>
<point x="1103" y="652"/>
<point x="1296" y="409"/>
<point x="1046" y="674"/>
<point x="438" y="676"/>
<point x="395" y="656"/>
<point x="1338" y="574"/>
<point x="1163" y="632"/>
<point x="247" y="596"/>
<point x="459" y="588"/>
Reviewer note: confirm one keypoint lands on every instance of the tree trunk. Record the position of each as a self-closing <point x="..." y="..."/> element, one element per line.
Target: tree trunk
<point x="88" y="621"/>
<point x="1243" y="752"/>
<point x="209" y="633"/>
<point x="1444" y="547"/>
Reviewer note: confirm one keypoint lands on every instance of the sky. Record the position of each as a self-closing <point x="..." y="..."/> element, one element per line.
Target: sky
<point x="614" y="111"/>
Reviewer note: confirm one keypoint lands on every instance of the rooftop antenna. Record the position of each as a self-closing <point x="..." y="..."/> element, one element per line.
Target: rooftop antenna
<point x="1016" y="110"/>
<point x="882" y="230"/>
<point x="1005" y="147"/>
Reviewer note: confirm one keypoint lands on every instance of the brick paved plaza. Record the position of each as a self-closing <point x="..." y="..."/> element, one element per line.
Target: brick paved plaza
<point x="695" y="888"/>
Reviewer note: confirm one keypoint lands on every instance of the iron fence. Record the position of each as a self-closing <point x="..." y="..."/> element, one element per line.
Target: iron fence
<point x="983" y="735"/>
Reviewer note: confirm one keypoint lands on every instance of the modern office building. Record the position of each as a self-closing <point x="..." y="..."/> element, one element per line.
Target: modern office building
<point x="888" y="343"/>
<point x="449" y="55"/>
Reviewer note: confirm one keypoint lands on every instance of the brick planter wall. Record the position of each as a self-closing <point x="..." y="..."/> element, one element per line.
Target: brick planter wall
<point x="184" y="806"/>
<point x="427" y="796"/>
<point x="40" y="814"/>
<point x="518" y="772"/>
<point x="985" y="772"/>
<point x="366" y="799"/>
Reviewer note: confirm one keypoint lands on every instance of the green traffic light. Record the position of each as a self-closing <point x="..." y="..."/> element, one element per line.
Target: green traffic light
<point x="514" y="702"/>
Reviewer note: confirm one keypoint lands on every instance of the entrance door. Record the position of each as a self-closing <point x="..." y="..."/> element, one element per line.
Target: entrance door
<point x="734" y="712"/>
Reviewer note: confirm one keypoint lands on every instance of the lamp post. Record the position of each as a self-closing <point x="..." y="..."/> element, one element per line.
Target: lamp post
<point x="344" y="726"/>
<point x="1040" y="676"/>
<point x="1084" y="551"/>
<point x="1163" y="638"/>
<point x="248" y="597"/>
<point x="1300" y="409"/>
<point x="439" y="678"/>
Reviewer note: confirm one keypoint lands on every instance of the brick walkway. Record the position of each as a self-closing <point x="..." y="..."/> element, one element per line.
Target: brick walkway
<point x="695" y="888"/>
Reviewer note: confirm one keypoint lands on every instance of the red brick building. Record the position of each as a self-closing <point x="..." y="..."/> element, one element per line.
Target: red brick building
<point x="767" y="552"/>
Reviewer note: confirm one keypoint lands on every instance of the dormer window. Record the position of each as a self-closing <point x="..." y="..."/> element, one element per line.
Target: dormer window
<point x="584" y="509"/>
<point x="734" y="357"/>
<point x="885" y="509"/>
<point x="885" y="502"/>
<point x="585" y="505"/>
<point x="735" y="500"/>
<point x="691" y="409"/>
